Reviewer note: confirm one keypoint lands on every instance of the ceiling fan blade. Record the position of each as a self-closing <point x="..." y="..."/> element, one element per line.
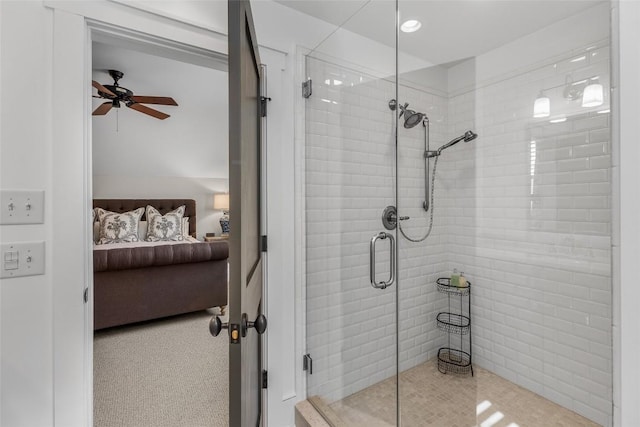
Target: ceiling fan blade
<point x="161" y="100"/>
<point x="150" y="111"/>
<point x="102" y="88"/>
<point x="103" y="109"/>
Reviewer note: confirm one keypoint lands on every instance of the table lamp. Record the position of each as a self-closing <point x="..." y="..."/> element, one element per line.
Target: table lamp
<point x="221" y="202"/>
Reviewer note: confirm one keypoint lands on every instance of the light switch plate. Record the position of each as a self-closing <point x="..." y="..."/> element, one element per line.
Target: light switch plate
<point x="21" y="259"/>
<point x="21" y="207"/>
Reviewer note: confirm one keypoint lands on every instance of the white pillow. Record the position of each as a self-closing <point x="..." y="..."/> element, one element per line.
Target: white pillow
<point x="118" y="227"/>
<point x="166" y="227"/>
<point x="142" y="229"/>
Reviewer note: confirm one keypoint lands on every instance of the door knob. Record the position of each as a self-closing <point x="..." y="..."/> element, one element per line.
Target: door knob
<point x="216" y="326"/>
<point x="260" y="324"/>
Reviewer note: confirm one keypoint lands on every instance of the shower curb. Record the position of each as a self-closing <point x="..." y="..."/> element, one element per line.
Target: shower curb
<point x="308" y="416"/>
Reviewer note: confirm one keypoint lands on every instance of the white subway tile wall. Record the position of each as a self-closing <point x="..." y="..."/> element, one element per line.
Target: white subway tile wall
<point x="350" y="179"/>
<point x="529" y="222"/>
<point x="523" y="210"/>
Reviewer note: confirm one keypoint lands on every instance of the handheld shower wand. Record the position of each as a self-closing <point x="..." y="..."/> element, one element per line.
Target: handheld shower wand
<point x="429" y="192"/>
<point x="466" y="137"/>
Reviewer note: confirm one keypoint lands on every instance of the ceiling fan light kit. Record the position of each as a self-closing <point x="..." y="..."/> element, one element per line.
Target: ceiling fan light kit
<point x="116" y="94"/>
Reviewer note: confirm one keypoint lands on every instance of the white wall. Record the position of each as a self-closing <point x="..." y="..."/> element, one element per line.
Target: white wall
<point x="529" y="217"/>
<point x="183" y="156"/>
<point x="26" y="358"/>
<point x="530" y="213"/>
<point x="627" y="238"/>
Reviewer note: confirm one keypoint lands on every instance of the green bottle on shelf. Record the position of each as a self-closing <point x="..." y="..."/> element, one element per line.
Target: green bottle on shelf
<point x="455" y="278"/>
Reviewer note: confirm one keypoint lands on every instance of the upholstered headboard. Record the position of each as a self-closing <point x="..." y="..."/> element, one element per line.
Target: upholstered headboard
<point x="163" y="205"/>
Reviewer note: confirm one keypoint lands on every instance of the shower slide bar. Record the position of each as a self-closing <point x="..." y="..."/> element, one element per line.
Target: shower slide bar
<point x="427" y="155"/>
<point x="372" y="260"/>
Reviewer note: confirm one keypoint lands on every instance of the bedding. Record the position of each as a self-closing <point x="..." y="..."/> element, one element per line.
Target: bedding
<point x="144" y="243"/>
<point x="137" y="280"/>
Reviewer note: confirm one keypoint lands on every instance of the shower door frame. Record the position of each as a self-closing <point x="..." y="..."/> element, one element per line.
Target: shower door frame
<point x="300" y="74"/>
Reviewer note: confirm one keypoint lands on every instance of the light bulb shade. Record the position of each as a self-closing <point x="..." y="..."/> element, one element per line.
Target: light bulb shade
<point x="221" y="201"/>
<point x="593" y="95"/>
<point x="541" y="107"/>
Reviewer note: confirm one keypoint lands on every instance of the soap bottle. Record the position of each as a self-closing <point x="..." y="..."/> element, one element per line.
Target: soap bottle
<point x="462" y="281"/>
<point x="455" y="278"/>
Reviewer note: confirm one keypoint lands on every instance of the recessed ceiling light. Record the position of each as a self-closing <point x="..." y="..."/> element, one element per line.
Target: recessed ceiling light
<point x="410" y="25"/>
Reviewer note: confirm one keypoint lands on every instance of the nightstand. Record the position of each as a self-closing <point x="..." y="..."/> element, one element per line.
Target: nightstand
<point x="216" y="238"/>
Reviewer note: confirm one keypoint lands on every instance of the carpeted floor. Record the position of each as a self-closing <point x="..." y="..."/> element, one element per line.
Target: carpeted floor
<point x="165" y="373"/>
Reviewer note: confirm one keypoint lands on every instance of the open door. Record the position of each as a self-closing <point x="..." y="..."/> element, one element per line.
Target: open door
<point x="246" y="323"/>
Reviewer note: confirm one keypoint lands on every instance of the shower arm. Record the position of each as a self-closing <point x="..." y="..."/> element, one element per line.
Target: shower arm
<point x="427" y="155"/>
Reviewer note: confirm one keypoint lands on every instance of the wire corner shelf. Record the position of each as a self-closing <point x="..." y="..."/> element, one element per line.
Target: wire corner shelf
<point x="455" y="322"/>
<point x="445" y="286"/>
<point x="451" y="360"/>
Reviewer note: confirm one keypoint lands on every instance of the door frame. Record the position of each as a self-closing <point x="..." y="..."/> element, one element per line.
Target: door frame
<point x="75" y="27"/>
<point x="71" y="63"/>
<point x="122" y="37"/>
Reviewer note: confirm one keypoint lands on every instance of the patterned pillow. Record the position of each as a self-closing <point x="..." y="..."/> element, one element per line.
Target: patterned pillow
<point x="118" y="227"/>
<point x="164" y="227"/>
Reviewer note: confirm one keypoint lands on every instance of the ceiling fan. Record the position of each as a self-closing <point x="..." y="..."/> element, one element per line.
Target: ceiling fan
<point x="116" y="95"/>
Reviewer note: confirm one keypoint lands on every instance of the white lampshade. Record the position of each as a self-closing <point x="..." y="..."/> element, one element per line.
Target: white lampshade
<point x="593" y="95"/>
<point x="542" y="106"/>
<point x="221" y="201"/>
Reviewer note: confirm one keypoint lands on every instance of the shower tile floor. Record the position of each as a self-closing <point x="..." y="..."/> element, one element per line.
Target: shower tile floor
<point x="429" y="398"/>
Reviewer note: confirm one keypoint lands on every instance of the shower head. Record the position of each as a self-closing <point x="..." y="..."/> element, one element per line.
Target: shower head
<point x="470" y="136"/>
<point x="411" y="118"/>
<point x="466" y="137"/>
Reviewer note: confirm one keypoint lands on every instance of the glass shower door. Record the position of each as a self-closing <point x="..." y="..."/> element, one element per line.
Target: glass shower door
<point x="496" y="157"/>
<point x="351" y="281"/>
<point x="510" y="145"/>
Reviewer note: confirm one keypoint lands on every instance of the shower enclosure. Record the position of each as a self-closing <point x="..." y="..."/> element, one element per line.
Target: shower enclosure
<point x="473" y="144"/>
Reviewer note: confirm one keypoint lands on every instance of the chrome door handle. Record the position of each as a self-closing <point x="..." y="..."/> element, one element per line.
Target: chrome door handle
<point x="372" y="261"/>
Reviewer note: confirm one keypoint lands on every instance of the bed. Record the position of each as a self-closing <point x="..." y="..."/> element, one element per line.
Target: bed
<point x="135" y="282"/>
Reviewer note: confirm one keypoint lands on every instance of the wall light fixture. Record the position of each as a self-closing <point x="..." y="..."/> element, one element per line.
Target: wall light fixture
<point x="541" y="106"/>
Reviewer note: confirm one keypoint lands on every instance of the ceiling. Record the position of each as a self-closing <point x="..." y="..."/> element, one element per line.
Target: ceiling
<point x="190" y="85"/>
<point x="451" y="29"/>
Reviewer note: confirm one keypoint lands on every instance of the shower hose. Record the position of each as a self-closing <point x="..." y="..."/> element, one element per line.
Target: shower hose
<point x="433" y="186"/>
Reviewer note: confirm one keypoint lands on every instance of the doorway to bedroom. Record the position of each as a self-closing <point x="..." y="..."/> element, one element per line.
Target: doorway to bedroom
<point x="160" y="255"/>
